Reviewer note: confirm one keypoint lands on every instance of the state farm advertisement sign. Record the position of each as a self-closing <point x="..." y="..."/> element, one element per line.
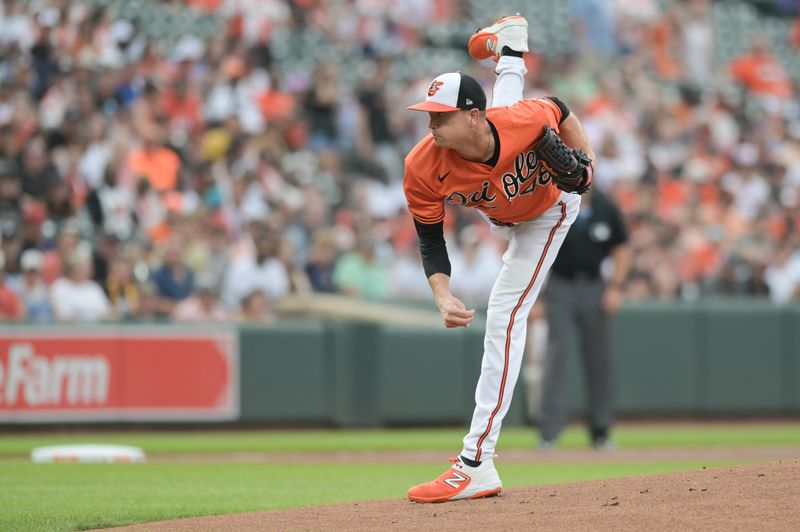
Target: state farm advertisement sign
<point x="137" y="375"/>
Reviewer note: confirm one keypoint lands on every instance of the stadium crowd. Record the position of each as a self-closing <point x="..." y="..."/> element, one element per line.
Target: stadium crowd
<point x="205" y="177"/>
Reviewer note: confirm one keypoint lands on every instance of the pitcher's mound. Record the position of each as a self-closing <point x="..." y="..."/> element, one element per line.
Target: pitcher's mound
<point x="749" y="497"/>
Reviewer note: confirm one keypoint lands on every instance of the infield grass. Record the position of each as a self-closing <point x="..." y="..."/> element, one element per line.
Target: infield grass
<point x="81" y="496"/>
<point x="84" y="496"/>
<point x="632" y="436"/>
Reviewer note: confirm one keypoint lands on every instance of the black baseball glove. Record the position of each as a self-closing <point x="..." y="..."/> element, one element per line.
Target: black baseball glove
<point x="570" y="168"/>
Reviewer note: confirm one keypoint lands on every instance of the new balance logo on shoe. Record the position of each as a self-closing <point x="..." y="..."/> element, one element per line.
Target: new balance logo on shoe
<point x="457" y="478"/>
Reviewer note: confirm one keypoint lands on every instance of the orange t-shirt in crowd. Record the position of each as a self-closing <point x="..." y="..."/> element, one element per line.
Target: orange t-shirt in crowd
<point x="206" y="5"/>
<point x="10" y="306"/>
<point x="516" y="189"/>
<point x="160" y="166"/>
<point x="795" y="35"/>
<point x="762" y="74"/>
<point x="188" y="109"/>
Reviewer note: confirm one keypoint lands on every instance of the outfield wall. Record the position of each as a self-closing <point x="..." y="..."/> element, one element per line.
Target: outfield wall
<point x="686" y="360"/>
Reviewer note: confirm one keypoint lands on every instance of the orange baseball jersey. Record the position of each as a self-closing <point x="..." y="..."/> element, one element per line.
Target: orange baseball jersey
<point x="516" y="189"/>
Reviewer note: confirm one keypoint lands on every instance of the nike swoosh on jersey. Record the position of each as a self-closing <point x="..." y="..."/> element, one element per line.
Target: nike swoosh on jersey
<point x="443" y="176"/>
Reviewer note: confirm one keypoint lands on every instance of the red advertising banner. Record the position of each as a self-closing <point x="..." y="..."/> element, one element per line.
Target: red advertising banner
<point x="139" y="374"/>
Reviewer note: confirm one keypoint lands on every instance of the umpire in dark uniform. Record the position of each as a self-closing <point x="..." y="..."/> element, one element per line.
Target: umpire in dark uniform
<point x="578" y="298"/>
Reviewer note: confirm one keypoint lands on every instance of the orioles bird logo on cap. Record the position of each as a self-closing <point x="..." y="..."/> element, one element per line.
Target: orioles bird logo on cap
<point x="434" y="88"/>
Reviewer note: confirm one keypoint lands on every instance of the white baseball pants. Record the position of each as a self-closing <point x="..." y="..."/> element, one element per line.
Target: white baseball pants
<point x="532" y="248"/>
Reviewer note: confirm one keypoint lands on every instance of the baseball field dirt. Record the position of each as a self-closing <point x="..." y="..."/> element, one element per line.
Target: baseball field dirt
<point x="748" y="497"/>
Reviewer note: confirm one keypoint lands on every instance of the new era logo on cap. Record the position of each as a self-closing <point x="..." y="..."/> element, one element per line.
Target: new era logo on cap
<point x="453" y="91"/>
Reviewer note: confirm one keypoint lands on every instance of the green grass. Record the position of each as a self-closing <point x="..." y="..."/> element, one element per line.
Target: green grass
<point x="80" y="496"/>
<point x="83" y="496"/>
<point x="446" y="440"/>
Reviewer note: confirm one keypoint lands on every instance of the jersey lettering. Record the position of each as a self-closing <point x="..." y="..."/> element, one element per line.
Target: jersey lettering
<point x="482" y="196"/>
<point x="525" y="166"/>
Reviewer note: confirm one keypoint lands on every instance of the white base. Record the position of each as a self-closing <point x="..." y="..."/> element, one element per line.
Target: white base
<point x="89" y="452"/>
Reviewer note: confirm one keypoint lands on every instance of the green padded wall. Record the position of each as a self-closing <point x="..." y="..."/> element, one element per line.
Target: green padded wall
<point x="657" y="359"/>
<point x="354" y="350"/>
<point x="284" y="374"/>
<point x="792" y="358"/>
<point x="742" y="358"/>
<point x="421" y="376"/>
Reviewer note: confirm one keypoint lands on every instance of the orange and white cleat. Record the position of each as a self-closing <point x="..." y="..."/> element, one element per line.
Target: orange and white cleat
<point x="511" y="32"/>
<point x="459" y="482"/>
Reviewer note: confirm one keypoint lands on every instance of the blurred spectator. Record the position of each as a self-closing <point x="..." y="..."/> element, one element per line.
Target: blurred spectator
<point x="321" y="261"/>
<point x="594" y="21"/>
<point x="322" y="106"/>
<point x="10" y="198"/>
<point x="67" y="242"/>
<point x="748" y="189"/>
<point x="149" y="304"/>
<point x="34" y="216"/>
<point x="182" y="105"/>
<point x="783" y="276"/>
<point x="377" y="138"/>
<point x="244" y="202"/>
<point x="11" y="309"/>
<point x="261" y="270"/>
<point x="234" y="96"/>
<point x="405" y="282"/>
<point x="174" y="281"/>
<point x="112" y="206"/>
<point x="218" y="254"/>
<point x="697" y="42"/>
<point x="299" y="283"/>
<point x="152" y="161"/>
<point x="359" y="273"/>
<point x="256" y="308"/>
<point x="203" y="305"/>
<point x="106" y="249"/>
<point x="760" y="72"/>
<point x="121" y="289"/>
<point x="76" y="297"/>
<point x="59" y="203"/>
<point x="95" y="161"/>
<point x="31" y="288"/>
<point x="38" y="174"/>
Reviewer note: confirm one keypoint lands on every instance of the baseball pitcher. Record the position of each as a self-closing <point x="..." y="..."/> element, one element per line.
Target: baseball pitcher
<point x="522" y="164"/>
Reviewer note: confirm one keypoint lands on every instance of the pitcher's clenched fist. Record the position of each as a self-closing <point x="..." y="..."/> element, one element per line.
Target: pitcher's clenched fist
<point x="454" y="312"/>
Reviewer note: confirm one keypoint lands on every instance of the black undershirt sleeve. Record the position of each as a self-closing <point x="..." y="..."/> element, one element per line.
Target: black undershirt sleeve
<point x="561" y="105"/>
<point x="433" y="249"/>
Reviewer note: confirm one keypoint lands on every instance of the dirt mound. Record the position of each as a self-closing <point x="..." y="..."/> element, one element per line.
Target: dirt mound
<point x="748" y="497"/>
